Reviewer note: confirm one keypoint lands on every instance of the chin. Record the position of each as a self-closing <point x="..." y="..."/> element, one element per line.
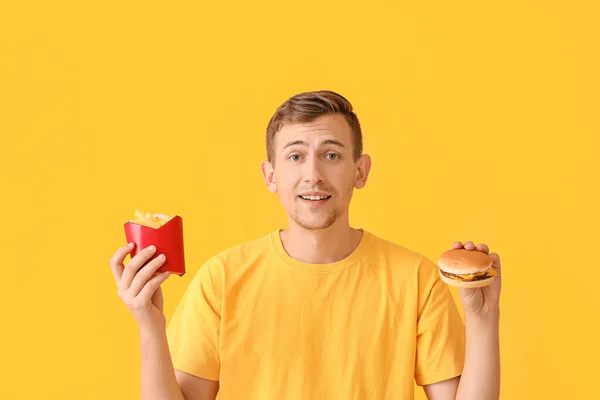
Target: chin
<point x="315" y="224"/>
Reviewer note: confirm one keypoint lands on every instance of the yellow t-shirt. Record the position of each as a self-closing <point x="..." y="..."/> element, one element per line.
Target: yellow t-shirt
<point x="267" y="326"/>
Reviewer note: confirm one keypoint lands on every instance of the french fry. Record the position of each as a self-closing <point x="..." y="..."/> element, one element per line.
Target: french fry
<point x="151" y="220"/>
<point x="163" y="231"/>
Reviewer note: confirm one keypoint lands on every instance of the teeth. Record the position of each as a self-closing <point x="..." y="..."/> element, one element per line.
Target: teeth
<point x="314" y="197"/>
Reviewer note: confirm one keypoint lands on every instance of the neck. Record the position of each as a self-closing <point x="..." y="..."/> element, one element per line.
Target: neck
<point x="322" y="246"/>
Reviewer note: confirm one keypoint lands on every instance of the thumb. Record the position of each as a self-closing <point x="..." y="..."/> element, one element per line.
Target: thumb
<point x="496" y="263"/>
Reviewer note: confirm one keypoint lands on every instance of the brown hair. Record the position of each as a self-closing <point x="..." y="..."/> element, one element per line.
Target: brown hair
<point x="308" y="106"/>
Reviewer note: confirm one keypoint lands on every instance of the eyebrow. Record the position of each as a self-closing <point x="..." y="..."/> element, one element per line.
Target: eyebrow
<point x="334" y="142"/>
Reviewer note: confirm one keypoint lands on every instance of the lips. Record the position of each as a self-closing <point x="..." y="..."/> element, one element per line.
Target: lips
<point x="314" y="200"/>
<point x="314" y="197"/>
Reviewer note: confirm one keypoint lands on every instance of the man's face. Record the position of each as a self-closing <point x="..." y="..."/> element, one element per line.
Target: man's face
<point x="315" y="173"/>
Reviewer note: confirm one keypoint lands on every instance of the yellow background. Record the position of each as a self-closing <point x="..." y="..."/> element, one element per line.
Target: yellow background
<point x="481" y="118"/>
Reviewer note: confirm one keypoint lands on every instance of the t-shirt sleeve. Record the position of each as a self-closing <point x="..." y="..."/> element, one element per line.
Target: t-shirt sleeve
<point x="193" y="332"/>
<point x="440" y="330"/>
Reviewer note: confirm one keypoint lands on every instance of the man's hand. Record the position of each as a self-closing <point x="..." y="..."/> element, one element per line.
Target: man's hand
<point x="482" y="301"/>
<point x="139" y="285"/>
<point x="481" y="373"/>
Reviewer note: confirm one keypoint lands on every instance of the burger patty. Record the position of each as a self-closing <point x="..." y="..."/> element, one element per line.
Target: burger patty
<point x="471" y="277"/>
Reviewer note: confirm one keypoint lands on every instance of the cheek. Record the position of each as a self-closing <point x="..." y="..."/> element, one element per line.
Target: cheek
<point x="285" y="188"/>
<point x="286" y="181"/>
<point x="344" y="182"/>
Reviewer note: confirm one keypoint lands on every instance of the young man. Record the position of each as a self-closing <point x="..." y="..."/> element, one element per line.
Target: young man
<point x="319" y="310"/>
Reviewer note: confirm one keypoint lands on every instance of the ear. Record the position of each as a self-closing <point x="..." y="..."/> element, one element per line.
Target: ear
<point x="269" y="174"/>
<point x="362" y="171"/>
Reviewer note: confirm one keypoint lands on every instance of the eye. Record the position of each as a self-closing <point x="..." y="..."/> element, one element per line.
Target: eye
<point x="332" y="156"/>
<point x="294" y="157"/>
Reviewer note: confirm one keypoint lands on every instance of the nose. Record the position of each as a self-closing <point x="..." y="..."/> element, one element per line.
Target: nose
<point x="313" y="173"/>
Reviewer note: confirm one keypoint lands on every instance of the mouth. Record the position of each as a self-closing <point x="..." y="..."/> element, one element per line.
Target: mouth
<point x="314" y="200"/>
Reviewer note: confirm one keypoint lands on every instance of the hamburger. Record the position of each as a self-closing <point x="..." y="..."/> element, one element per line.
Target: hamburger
<point x="466" y="268"/>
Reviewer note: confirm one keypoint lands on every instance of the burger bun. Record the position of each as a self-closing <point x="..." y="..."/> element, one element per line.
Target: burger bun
<point x="467" y="285"/>
<point x="462" y="261"/>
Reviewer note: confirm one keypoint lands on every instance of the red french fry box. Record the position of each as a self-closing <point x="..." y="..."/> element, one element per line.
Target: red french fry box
<point x="168" y="240"/>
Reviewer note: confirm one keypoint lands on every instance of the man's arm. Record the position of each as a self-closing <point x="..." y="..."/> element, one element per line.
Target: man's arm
<point x="480" y="377"/>
<point x="160" y="380"/>
<point x="196" y="388"/>
<point x="444" y="390"/>
<point x="481" y="373"/>
<point x="157" y="373"/>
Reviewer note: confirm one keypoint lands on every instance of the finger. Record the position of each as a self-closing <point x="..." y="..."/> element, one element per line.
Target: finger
<point x="483" y="248"/>
<point x="153" y="284"/>
<point x="116" y="261"/>
<point x="134" y="266"/>
<point x="469" y="246"/>
<point x="457" y="245"/>
<point x="496" y="262"/>
<point x="146" y="273"/>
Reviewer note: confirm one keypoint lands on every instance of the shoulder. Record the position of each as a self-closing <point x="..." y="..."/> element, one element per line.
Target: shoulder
<point x="402" y="261"/>
<point x="236" y="256"/>
<point x="397" y="254"/>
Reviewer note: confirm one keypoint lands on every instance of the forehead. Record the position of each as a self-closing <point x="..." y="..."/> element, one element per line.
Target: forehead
<point x="322" y="128"/>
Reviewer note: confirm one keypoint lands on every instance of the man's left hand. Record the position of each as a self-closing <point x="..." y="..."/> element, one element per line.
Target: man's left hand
<point x="484" y="300"/>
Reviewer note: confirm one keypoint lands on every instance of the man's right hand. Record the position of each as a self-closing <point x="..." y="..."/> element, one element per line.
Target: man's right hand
<point x="138" y="287"/>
